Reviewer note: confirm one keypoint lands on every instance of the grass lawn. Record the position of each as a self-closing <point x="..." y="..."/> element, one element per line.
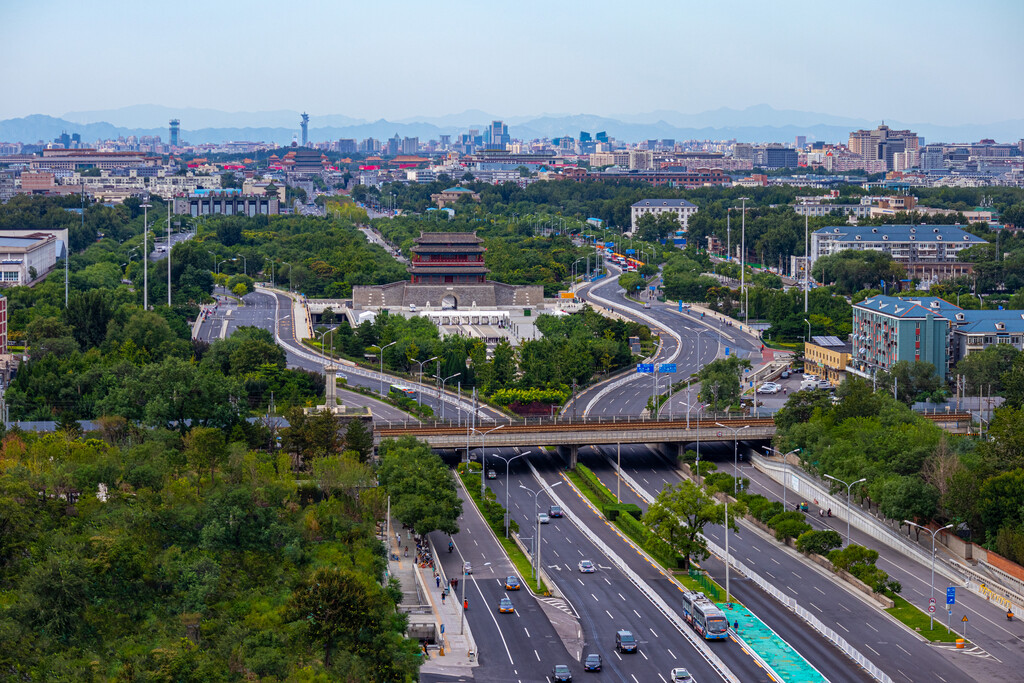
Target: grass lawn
<point x="917" y="620"/>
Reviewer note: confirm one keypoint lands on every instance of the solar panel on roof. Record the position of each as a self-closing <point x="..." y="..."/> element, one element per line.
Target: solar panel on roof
<point x="828" y="341"/>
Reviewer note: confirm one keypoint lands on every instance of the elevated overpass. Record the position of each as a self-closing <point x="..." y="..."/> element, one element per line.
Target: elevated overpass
<point x="571" y="433"/>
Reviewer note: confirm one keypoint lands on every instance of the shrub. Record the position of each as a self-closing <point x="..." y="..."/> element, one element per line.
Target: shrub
<point x="791" y="528"/>
<point x="771" y="510"/>
<point x="594" y="484"/>
<point x="818" y="542"/>
<point x="851" y="556"/>
<point x="784" y="516"/>
<point x="612" y="512"/>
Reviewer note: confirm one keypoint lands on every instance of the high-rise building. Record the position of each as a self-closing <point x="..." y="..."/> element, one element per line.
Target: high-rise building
<point x="446" y="141"/>
<point x="175" y="132"/>
<point x="801" y="141"/>
<point x="305" y="129"/>
<point x="410" y="145"/>
<point x="882" y="143"/>
<point x="602" y="136"/>
<point x="496" y="135"/>
<point x="931" y="158"/>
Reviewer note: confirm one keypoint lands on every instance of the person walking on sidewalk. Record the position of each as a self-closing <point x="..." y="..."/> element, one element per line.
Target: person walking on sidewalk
<point x="443" y="594"/>
<point x="437" y="577"/>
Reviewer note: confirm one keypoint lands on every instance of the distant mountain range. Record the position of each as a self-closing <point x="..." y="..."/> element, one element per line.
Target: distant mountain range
<point x="760" y="123"/>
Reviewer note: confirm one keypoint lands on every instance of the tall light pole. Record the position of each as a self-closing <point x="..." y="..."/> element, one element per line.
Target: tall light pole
<point x="848" y="508"/>
<point x="507" y="461"/>
<point x="743" y="254"/>
<point x="785" y="472"/>
<point x="536" y="514"/>
<point x="441" y="395"/>
<point x="483" y="453"/>
<point x="145" y="249"/>
<point x="932" y="594"/>
<point x="382" y="365"/>
<point x="808" y="330"/>
<point x="168" y="254"/>
<point x="807" y="266"/>
<point x="735" y="454"/>
<point x="419" y="391"/>
<point x="219" y="264"/>
<point x="245" y="263"/>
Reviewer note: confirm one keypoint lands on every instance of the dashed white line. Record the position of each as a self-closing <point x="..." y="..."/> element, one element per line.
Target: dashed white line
<point x="842" y="627"/>
<point x="536" y="655"/>
<point x="814" y="606"/>
<point x="637" y="614"/>
<point x="655" y="634"/>
<point x="621" y="596"/>
<point x="819" y="590"/>
<point x="873" y="649"/>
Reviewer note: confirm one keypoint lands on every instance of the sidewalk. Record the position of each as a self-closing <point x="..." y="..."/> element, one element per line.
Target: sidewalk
<point x="458" y="647"/>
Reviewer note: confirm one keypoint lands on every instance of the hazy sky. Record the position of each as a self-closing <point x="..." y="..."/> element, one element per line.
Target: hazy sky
<point x="932" y="61"/>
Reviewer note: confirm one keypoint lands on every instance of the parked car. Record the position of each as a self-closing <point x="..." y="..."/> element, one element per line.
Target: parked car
<point x="561" y="674"/>
<point x="624" y="641"/>
<point x="512" y="583"/>
<point x="825" y="384"/>
<point x="586" y="567"/>
<point x="554" y="511"/>
<point x="543" y="518"/>
<point x="769" y="388"/>
<point x="592" y="662"/>
<point x="505" y="606"/>
<point x="785" y="375"/>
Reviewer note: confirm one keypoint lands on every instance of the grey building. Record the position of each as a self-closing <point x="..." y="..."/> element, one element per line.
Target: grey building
<point x="777" y="156"/>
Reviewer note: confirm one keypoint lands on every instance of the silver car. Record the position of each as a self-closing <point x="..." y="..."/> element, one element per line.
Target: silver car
<point x="543" y="518"/>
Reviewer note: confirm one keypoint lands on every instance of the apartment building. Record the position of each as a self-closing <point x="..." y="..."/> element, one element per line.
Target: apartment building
<point x="681" y="208"/>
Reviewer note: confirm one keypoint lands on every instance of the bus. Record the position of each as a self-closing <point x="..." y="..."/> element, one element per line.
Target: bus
<point x="403" y="391"/>
<point x="704" y="616"/>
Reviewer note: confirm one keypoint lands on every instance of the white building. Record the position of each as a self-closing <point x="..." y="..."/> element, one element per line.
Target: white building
<point x="680" y="207"/>
<point x="22" y="257"/>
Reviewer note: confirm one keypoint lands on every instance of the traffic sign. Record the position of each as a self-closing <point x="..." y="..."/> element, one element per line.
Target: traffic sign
<point x="667" y="367"/>
<point x="951" y="595"/>
<point x="442" y="628"/>
<point x="931" y="608"/>
<point x="931" y="601"/>
<point x="645" y="367"/>
<point x="964" y="619"/>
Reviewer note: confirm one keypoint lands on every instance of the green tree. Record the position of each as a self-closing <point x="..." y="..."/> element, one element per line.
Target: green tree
<point x="680" y="513"/>
<point x="720" y="381"/>
<point x="422" y="489"/>
<point x="205" y="450"/>
<point x="359" y="439"/>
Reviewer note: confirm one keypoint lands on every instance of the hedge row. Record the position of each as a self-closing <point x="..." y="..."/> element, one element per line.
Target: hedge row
<point x="594" y="484"/>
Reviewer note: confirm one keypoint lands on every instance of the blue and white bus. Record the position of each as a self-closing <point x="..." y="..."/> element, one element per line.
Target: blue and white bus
<point x="704" y="616"/>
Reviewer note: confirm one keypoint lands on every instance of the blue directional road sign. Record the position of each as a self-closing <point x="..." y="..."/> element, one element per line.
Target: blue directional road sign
<point x="951" y="595"/>
<point x="667" y="367"/>
<point x="631" y="251"/>
<point x="645" y="367"/>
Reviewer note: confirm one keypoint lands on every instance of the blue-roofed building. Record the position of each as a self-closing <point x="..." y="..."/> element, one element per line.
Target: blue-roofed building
<point x="977" y="330"/>
<point x="887" y="329"/>
<point x="927" y="252"/>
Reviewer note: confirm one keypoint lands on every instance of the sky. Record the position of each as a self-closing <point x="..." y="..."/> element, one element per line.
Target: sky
<point x="930" y="61"/>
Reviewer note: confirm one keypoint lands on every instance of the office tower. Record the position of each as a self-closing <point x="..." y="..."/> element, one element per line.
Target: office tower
<point x="305" y="129"/>
<point x="175" y="132"/>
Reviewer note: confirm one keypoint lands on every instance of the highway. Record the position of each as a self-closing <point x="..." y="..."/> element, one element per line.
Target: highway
<point x="887" y="643"/>
<point x="609" y="599"/>
<point x="514" y="648"/>
<point x="686" y="341"/>
<point x="261" y="309"/>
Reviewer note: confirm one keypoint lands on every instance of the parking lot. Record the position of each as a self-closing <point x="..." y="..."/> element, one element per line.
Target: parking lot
<point x="775" y="401"/>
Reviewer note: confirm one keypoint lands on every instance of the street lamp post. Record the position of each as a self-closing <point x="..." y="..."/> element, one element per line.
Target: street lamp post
<point x="382" y="365"/>
<point x="419" y="391"/>
<point x="735" y="453"/>
<point x="848" y="508"/>
<point x="440" y="396"/>
<point x="245" y="263"/>
<point x="808" y="330"/>
<point x="743" y="249"/>
<point x="785" y="468"/>
<point x="508" y="462"/>
<point x="145" y="259"/>
<point x="933" y="533"/>
<point x="483" y="454"/>
<point x="536" y="514"/>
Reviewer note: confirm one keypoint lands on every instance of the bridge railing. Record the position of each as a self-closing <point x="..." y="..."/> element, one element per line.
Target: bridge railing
<point x="707" y="420"/>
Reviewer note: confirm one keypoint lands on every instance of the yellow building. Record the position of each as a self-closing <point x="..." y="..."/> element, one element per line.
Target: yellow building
<point x="827" y="357"/>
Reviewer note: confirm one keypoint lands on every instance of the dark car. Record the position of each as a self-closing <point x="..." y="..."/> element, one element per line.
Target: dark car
<point x="624" y="641"/>
<point x="592" y="662"/>
<point x="491" y="474"/>
<point x="554" y="511"/>
<point x="560" y="673"/>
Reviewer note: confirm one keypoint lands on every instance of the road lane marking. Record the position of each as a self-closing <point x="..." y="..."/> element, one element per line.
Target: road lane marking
<point x="621" y="596"/>
<point x="655" y="634"/>
<point x="609" y="614"/>
<point x="537" y="655"/>
<point x="877" y="653"/>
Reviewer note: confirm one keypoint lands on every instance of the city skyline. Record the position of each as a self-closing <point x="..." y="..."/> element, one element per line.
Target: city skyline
<point x="411" y="61"/>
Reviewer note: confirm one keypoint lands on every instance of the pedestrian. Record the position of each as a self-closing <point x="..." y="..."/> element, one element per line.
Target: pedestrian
<point x="437" y="578"/>
<point x="407" y="551"/>
<point x="443" y="594"/>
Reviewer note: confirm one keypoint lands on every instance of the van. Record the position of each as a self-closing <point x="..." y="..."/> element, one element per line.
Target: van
<point x="624" y="641"/>
<point x="809" y="385"/>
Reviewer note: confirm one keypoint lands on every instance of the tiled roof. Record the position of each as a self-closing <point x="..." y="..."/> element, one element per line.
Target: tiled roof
<point x="915" y="307"/>
<point x="663" y="203"/>
<point x="900" y="233"/>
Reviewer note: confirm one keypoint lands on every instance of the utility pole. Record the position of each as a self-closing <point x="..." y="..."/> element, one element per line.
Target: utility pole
<point x="807" y="266"/>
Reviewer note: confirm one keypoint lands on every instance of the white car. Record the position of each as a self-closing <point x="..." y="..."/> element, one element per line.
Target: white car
<point x="586" y="567"/>
<point x="543" y="518"/>
<point x="680" y="675"/>
<point x="769" y="388"/>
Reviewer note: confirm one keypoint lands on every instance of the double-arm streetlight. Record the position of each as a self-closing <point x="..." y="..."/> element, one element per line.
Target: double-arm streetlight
<point x="508" y="462"/>
<point x="382" y="365"/>
<point x="785" y="468"/>
<point x="536" y="514"/>
<point x="441" y="395"/>
<point x="419" y="391"/>
<point x="848" y="508"/>
<point x="483" y="454"/>
<point x="322" y="335"/>
<point x="934" y="534"/>
<point x="735" y="454"/>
